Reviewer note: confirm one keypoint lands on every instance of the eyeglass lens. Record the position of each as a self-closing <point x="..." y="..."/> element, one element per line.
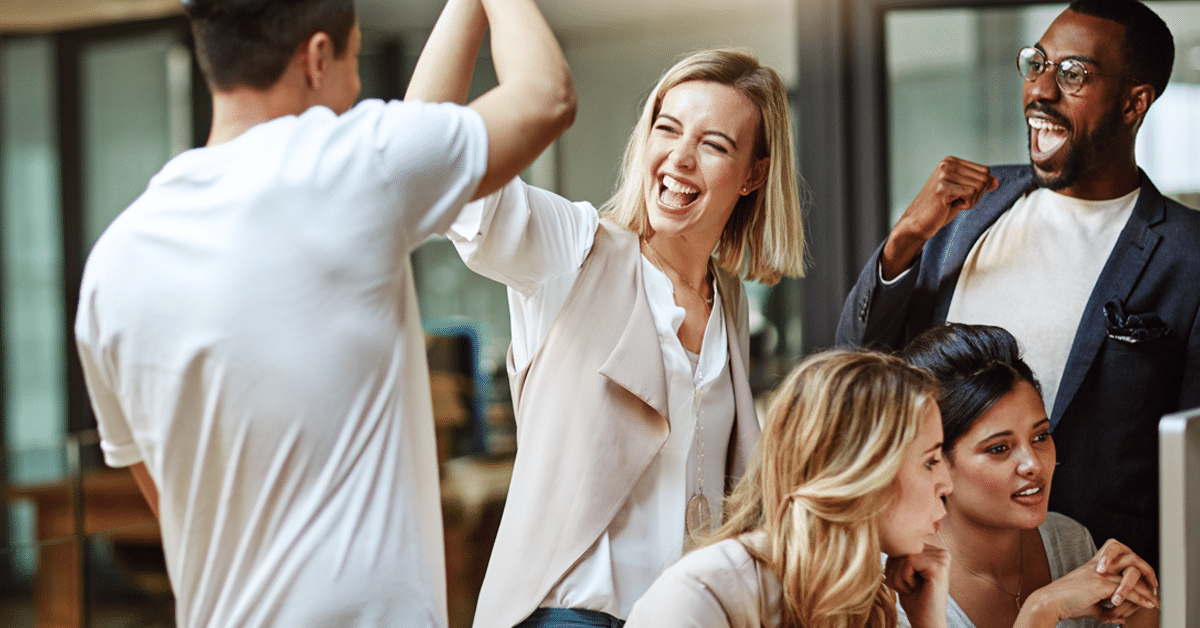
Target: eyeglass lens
<point x="1031" y="63"/>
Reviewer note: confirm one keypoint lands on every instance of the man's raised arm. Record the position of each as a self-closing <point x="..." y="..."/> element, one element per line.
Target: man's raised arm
<point x="535" y="99"/>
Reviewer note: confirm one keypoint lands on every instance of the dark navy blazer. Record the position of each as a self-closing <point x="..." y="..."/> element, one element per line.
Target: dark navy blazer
<point x="1113" y="391"/>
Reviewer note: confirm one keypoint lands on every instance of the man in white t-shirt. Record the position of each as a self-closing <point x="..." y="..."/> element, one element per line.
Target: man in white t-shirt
<point x="248" y="327"/>
<point x="1078" y="255"/>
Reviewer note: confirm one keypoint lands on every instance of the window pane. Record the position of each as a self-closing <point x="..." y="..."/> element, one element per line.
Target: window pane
<point x="1168" y="146"/>
<point x="136" y="116"/>
<point x="34" y="404"/>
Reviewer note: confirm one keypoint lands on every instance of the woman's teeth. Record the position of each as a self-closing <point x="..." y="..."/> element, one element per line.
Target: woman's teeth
<point x="678" y="186"/>
<point x="1028" y="491"/>
<point x="676" y="194"/>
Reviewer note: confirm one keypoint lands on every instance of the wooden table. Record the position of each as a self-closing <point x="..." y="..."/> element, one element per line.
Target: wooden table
<point x="112" y="505"/>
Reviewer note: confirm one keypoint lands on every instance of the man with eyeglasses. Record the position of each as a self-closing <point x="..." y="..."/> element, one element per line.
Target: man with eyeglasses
<point x="1077" y="254"/>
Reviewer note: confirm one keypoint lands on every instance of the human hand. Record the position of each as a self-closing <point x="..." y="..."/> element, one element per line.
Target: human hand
<point x="1115" y="557"/>
<point x="923" y="582"/>
<point x="1111" y="586"/>
<point x="956" y="184"/>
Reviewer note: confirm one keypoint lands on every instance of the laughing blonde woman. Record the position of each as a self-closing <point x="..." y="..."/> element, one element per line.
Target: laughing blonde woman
<point x="629" y="332"/>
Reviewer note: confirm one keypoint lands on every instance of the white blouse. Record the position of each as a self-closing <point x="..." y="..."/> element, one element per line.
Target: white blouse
<point x="535" y="242"/>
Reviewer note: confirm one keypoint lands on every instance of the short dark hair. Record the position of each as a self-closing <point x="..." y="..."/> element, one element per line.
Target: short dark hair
<point x="250" y="42"/>
<point x="975" y="365"/>
<point x="1149" y="48"/>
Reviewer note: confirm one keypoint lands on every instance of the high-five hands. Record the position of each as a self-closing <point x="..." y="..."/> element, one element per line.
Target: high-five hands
<point x="956" y="184"/>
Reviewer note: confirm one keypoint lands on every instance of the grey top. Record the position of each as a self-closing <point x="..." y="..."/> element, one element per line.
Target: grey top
<point x="1068" y="545"/>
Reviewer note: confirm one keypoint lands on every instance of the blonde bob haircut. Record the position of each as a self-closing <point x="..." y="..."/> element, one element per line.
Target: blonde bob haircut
<point x="824" y="472"/>
<point x="764" y="237"/>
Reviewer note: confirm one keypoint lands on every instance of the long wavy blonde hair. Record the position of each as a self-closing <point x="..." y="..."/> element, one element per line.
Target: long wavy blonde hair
<point x="764" y="237"/>
<point x="824" y="471"/>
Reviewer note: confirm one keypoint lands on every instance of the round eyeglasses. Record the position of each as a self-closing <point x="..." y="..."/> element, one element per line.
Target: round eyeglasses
<point x="1071" y="73"/>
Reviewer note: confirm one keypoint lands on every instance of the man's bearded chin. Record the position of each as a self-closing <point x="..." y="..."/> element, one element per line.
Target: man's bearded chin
<point x="1081" y="157"/>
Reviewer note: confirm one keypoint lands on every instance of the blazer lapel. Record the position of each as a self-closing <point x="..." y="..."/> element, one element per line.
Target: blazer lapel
<point x="1125" y="264"/>
<point x="636" y="361"/>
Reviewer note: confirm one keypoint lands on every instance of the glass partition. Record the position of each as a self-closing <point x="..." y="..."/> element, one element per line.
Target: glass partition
<point x="136" y="103"/>
<point x="87" y="543"/>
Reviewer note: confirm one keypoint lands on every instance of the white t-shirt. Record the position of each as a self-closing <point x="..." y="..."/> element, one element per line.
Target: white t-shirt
<point x="535" y="242"/>
<point x="248" y="328"/>
<point x="1033" y="271"/>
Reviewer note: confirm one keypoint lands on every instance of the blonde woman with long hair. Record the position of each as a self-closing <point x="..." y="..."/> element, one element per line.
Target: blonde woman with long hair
<point x="630" y="332"/>
<point x="849" y="466"/>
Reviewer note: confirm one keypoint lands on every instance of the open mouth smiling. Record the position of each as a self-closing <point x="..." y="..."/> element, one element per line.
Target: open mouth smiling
<point x="1045" y="137"/>
<point x="1030" y="494"/>
<point x="675" y="194"/>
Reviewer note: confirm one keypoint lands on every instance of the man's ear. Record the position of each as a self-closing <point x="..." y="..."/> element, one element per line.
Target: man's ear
<point x="1138" y="101"/>
<point x="758" y="175"/>
<point x="318" y="53"/>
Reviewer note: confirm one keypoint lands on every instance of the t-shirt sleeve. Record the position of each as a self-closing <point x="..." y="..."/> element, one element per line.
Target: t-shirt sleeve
<point x="433" y="156"/>
<point x="116" y="437"/>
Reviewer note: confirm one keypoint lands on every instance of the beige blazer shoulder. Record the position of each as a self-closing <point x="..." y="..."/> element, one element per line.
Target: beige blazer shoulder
<point x="717" y="586"/>
<point x="592" y="414"/>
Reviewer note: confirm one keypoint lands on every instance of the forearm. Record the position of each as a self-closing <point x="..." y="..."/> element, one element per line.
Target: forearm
<point x="535" y="84"/>
<point x="1036" y="613"/>
<point x="535" y="100"/>
<point x="525" y="53"/>
<point x="443" y="73"/>
<point x="899" y="251"/>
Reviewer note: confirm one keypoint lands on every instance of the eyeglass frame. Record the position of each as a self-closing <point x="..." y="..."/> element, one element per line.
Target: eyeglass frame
<point x="1058" y="72"/>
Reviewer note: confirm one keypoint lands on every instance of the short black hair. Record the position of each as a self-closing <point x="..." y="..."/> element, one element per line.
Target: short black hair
<point x="250" y="42"/>
<point x="1149" y="48"/>
<point x="975" y="365"/>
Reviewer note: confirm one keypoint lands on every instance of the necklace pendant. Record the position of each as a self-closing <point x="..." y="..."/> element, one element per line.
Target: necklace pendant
<point x="698" y="518"/>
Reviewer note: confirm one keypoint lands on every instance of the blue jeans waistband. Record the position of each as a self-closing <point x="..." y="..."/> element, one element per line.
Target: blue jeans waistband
<point x="570" y="618"/>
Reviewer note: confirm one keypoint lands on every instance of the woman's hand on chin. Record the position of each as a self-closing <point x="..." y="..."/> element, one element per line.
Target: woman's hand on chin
<point x="1111" y="586"/>
<point x="923" y="582"/>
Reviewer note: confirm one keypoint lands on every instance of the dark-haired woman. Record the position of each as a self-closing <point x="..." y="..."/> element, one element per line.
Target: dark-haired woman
<point x="1012" y="562"/>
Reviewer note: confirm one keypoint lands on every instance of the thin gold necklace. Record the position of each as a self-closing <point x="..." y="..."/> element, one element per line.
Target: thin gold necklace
<point x="1020" y="557"/>
<point x="697" y="515"/>
<point x="660" y="262"/>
